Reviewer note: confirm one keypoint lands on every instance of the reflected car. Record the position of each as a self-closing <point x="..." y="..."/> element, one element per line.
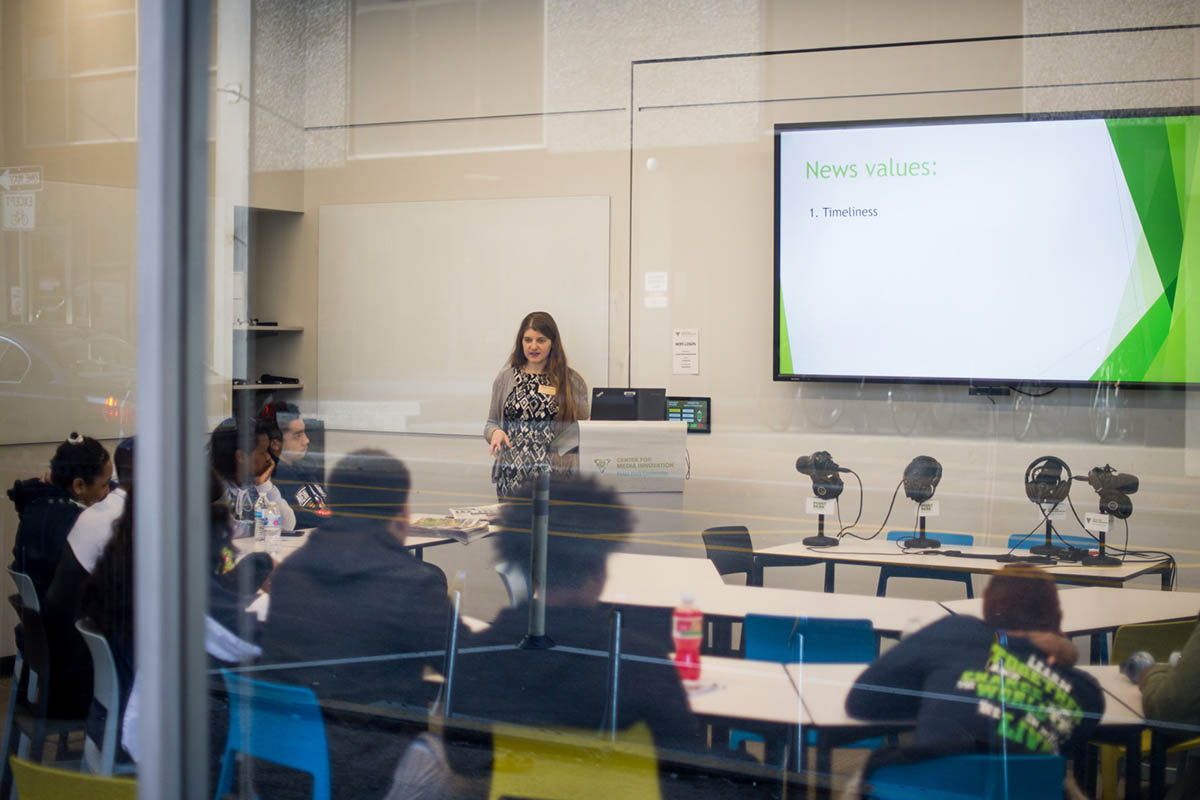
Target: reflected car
<point x="55" y="379"/>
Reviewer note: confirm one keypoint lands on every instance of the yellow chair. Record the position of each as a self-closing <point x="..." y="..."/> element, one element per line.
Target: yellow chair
<point x="39" y="782"/>
<point x="1159" y="639"/>
<point x="549" y="764"/>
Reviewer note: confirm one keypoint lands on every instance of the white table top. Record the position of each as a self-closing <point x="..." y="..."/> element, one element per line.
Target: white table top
<point x="1098" y="608"/>
<point x="635" y="579"/>
<point x="290" y="544"/>
<point x="1123" y="698"/>
<point x="823" y="688"/>
<point x="887" y="614"/>
<point x="660" y="581"/>
<point x="879" y="552"/>
<point x="740" y="689"/>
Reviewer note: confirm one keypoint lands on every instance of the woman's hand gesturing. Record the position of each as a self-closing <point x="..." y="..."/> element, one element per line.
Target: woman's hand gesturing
<point x="499" y="442"/>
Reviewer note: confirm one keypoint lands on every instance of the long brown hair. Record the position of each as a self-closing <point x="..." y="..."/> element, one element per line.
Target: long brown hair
<point x="557" y="370"/>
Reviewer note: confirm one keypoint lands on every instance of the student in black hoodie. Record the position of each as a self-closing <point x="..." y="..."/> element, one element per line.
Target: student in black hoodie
<point x="108" y="601"/>
<point x="71" y="661"/>
<point x="1005" y="683"/>
<point x="80" y="472"/>
<point x="353" y="592"/>
<point x="567" y="687"/>
<point x="564" y="687"/>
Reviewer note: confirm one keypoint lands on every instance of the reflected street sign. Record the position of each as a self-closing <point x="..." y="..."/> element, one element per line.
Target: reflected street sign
<point x="21" y="179"/>
<point x="19" y="211"/>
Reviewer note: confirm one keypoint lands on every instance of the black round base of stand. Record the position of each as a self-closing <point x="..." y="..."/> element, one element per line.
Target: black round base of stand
<point x="921" y="543"/>
<point x="1101" y="561"/>
<point x="820" y="541"/>
<point x="536" y="643"/>
<point x="1010" y="558"/>
<point x="1052" y="550"/>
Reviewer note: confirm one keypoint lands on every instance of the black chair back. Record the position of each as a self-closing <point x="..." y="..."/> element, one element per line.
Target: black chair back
<point x="730" y="550"/>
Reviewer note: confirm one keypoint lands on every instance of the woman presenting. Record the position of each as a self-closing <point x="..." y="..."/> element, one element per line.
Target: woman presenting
<point x="533" y="398"/>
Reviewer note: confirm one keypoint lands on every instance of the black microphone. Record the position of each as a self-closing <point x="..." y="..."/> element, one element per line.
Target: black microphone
<point x="921" y="478"/>
<point x="819" y="461"/>
<point x="826" y="485"/>
<point x="823" y="470"/>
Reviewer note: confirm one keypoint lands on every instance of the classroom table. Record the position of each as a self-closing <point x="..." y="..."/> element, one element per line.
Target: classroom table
<point x="734" y="688"/>
<point x="661" y="581"/>
<point x="1098" y="609"/>
<point x="823" y="689"/>
<point x="290" y="543"/>
<point x="879" y="552"/>
<point x="658" y="582"/>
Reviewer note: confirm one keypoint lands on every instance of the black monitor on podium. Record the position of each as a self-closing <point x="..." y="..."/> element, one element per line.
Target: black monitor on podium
<point x="629" y="404"/>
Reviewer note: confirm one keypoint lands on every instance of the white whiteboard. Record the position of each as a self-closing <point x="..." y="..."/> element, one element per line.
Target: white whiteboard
<point x="418" y="304"/>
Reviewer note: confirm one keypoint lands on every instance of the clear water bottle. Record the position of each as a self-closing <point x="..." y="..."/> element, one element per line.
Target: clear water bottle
<point x="687" y="633"/>
<point x="260" y="531"/>
<point x="273" y="529"/>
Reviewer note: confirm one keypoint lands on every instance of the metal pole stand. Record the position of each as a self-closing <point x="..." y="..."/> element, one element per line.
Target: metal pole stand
<point x="820" y="540"/>
<point x="1100" y="559"/>
<point x="536" y="638"/>
<point x="921" y="541"/>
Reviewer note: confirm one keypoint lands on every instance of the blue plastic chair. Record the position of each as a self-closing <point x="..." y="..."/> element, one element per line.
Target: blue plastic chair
<point x="276" y="723"/>
<point x="824" y="641"/>
<point x="970" y="777"/>
<point x="928" y="573"/>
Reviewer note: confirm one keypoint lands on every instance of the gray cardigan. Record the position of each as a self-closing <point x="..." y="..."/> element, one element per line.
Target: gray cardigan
<point x="503" y="385"/>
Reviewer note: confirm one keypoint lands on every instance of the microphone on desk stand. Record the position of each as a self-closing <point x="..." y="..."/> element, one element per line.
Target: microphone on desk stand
<point x="921" y="478"/>
<point x="1046" y="486"/>
<point x="826" y="485"/>
<point x="1113" y="489"/>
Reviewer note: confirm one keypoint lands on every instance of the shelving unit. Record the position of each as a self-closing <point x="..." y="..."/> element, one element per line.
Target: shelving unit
<point x="264" y="355"/>
<point x="264" y="266"/>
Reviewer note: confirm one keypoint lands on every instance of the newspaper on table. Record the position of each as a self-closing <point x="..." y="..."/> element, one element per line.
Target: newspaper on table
<point x="464" y="530"/>
<point x="490" y="513"/>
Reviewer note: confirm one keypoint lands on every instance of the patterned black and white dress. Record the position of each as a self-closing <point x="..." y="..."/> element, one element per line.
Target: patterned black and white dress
<point x="530" y="423"/>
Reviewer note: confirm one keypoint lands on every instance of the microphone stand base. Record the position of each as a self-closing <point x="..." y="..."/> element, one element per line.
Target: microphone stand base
<point x="1052" y="550"/>
<point x="820" y="541"/>
<point x="921" y="543"/>
<point x="1101" y="561"/>
<point x="531" y="642"/>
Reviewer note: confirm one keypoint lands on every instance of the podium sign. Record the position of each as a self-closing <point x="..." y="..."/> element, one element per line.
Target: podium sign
<point x="632" y="456"/>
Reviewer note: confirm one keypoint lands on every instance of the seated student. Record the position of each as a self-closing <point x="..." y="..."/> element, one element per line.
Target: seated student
<point x="71" y="661"/>
<point x="299" y="477"/>
<point x="239" y="454"/>
<point x="563" y="687"/>
<point x="948" y="676"/>
<point x="1171" y="693"/>
<point x="94" y="527"/>
<point x="230" y="632"/>
<point x="79" y="474"/>
<point x="352" y="591"/>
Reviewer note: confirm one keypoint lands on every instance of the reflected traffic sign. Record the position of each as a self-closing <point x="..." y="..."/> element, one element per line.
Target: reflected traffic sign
<point x="21" y="179"/>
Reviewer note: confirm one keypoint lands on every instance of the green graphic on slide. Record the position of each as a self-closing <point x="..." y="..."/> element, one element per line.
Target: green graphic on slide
<point x="785" y="344"/>
<point x="1159" y="157"/>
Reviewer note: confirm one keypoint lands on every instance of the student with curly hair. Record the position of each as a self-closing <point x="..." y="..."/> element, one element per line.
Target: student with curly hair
<point x="79" y="477"/>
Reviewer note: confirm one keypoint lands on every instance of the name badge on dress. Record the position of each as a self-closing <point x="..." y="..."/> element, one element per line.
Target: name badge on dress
<point x="550" y="390"/>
